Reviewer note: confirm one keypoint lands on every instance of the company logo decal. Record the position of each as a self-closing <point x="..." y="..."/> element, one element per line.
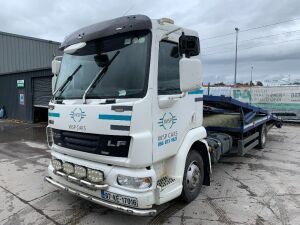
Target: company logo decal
<point x="77" y="115"/>
<point x="167" y="137"/>
<point x="167" y="121"/>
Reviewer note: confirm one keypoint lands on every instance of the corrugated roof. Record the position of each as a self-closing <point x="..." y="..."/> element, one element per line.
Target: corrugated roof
<point x="27" y="37"/>
<point x="20" y="53"/>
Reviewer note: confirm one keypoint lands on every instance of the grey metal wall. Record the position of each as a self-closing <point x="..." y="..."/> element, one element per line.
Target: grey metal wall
<point x="9" y="94"/>
<point x="21" y="53"/>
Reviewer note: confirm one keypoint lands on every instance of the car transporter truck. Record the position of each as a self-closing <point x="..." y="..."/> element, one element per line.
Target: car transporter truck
<point x="129" y="126"/>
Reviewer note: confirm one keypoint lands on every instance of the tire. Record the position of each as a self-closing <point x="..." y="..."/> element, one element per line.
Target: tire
<point x="193" y="176"/>
<point x="262" y="139"/>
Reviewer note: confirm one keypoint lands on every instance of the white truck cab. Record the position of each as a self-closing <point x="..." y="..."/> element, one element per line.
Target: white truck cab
<point x="125" y="121"/>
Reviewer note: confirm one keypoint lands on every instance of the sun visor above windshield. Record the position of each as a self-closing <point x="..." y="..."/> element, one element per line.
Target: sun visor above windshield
<point x="107" y="28"/>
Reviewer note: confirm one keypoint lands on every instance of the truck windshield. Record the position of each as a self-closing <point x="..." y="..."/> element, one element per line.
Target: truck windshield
<point x="126" y="76"/>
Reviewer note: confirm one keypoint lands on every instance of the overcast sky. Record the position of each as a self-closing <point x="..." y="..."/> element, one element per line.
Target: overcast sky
<point x="274" y="57"/>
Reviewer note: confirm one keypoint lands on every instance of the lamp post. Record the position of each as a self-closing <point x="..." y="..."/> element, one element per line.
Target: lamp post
<point x="251" y="85"/>
<point x="251" y="81"/>
<point x="236" y="46"/>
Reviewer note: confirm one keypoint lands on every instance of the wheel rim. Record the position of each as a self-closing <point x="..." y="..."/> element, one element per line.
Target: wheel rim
<point x="193" y="176"/>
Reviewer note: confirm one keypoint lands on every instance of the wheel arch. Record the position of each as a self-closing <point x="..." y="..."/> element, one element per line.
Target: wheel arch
<point x="195" y="139"/>
<point x="203" y="149"/>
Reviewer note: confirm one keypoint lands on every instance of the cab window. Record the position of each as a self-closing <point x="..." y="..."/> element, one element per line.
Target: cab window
<point x="168" y="68"/>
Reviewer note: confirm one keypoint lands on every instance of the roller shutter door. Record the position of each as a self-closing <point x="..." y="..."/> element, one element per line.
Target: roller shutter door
<point x="42" y="91"/>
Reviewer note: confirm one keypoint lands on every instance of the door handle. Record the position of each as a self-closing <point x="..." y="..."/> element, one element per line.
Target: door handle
<point x="166" y="101"/>
<point x="178" y="96"/>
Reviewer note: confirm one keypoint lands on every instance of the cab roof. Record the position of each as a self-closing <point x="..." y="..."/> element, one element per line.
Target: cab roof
<point x="107" y="28"/>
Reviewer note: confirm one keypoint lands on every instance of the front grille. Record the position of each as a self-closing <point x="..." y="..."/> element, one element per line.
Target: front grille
<point x="109" y="145"/>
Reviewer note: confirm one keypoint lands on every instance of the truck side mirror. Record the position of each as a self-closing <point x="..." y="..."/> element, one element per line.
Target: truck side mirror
<point x="189" y="45"/>
<point x="56" y="62"/>
<point x="190" y="70"/>
<point x="56" y="65"/>
<point x="54" y="78"/>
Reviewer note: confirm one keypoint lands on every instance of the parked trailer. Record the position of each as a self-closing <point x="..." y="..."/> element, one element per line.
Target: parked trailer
<point x="234" y="126"/>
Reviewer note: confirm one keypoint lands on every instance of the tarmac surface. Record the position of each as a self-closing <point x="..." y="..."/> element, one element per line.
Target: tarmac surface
<point x="263" y="187"/>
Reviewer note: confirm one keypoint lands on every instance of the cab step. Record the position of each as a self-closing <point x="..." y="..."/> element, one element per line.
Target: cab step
<point x="165" y="181"/>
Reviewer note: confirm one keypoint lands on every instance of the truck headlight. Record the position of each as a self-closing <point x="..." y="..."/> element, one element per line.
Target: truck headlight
<point x="95" y="176"/>
<point x="68" y="168"/>
<point x="79" y="171"/>
<point x="134" y="182"/>
<point x="57" y="164"/>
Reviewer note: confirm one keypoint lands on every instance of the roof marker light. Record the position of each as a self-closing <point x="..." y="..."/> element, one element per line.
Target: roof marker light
<point x="162" y="21"/>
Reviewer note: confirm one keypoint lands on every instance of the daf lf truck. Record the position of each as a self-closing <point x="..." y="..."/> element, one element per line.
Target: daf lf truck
<point x="126" y="126"/>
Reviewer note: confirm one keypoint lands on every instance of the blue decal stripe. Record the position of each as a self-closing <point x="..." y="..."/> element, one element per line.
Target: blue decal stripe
<point x="195" y="92"/>
<point x="114" y="117"/>
<point x="53" y="114"/>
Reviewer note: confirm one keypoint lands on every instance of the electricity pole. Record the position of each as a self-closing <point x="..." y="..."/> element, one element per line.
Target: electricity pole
<point x="251" y="81"/>
<point x="236" y="46"/>
<point x="251" y="86"/>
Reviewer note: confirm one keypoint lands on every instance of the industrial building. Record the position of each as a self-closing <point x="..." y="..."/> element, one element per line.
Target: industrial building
<point x="25" y="76"/>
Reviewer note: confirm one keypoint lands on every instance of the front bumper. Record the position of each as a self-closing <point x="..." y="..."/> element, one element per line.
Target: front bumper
<point x="132" y="211"/>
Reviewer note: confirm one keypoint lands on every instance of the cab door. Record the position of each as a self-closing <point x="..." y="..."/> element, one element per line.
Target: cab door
<point x="172" y="119"/>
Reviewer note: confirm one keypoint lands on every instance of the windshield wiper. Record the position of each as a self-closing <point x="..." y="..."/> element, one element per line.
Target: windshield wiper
<point x="62" y="87"/>
<point x="99" y="76"/>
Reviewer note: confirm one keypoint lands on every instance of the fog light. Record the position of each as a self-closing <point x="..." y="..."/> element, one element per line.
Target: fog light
<point x="57" y="164"/>
<point x="79" y="172"/>
<point x="134" y="182"/>
<point x="95" y="176"/>
<point x="68" y="168"/>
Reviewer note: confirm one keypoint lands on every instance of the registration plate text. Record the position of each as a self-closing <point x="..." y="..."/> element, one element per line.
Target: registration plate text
<point x="120" y="199"/>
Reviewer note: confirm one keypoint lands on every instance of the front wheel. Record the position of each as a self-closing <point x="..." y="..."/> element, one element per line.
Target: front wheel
<point x="193" y="176"/>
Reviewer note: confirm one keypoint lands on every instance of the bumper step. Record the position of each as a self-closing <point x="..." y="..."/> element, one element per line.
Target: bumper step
<point x="128" y="210"/>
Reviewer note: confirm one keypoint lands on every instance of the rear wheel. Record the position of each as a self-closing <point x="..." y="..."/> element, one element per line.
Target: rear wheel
<point x="193" y="176"/>
<point x="262" y="139"/>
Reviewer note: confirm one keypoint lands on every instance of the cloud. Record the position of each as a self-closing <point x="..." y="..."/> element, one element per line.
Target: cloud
<point x="54" y="19"/>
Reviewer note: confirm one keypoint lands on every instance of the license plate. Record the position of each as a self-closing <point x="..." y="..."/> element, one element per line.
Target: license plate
<point x="120" y="199"/>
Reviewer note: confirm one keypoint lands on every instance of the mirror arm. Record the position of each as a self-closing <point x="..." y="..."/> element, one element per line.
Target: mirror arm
<point x="166" y="35"/>
<point x="57" y="58"/>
